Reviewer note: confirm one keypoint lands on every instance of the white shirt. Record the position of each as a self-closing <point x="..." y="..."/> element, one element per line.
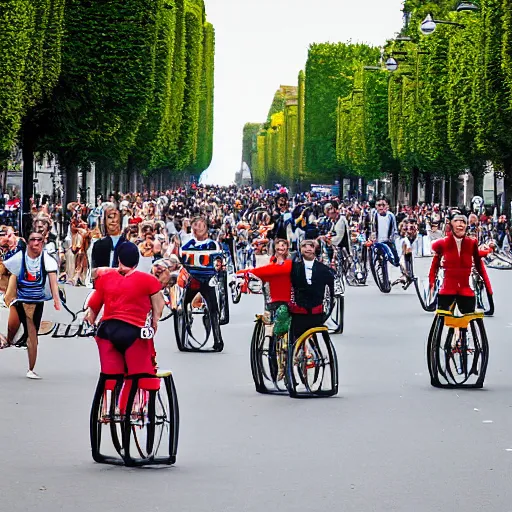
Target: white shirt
<point x="32" y="266"/>
<point x="308" y="265"/>
<point x="383" y="227"/>
<point x="458" y="241"/>
<point x="185" y="237"/>
<point x="115" y="240"/>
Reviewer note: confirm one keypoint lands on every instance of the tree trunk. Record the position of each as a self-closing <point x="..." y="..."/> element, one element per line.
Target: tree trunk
<point x="507" y="171"/>
<point x="27" y="181"/>
<point x="414" y="186"/>
<point x="364" y="189"/>
<point x="495" y="192"/>
<point x="71" y="184"/>
<point x="428" y="188"/>
<point x="478" y="181"/>
<point x="395" y="183"/>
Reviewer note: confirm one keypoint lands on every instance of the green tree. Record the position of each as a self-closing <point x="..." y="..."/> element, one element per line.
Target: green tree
<point x="108" y="71"/>
<point x="249" y="146"/>
<point x="30" y="45"/>
<point x="330" y="72"/>
<point x="205" y="134"/>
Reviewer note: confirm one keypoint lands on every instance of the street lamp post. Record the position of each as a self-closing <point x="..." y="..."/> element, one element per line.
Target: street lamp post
<point x="391" y="64"/>
<point x="429" y="24"/>
<point x="467" y="7"/>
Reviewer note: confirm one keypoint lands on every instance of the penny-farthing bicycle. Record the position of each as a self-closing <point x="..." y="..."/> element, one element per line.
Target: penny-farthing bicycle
<point x="193" y="317"/>
<point x="307" y="367"/>
<point x="457" y="350"/>
<point x="134" y="419"/>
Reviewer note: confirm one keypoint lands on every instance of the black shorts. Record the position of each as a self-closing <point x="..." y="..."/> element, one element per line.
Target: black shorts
<point x="465" y="304"/>
<point x="302" y="323"/>
<point x="122" y="334"/>
<point x="38" y="314"/>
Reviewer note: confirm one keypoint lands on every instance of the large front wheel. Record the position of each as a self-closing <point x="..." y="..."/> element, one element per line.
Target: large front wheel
<point x="379" y="268"/>
<point x="457" y="355"/>
<point x="312" y="365"/>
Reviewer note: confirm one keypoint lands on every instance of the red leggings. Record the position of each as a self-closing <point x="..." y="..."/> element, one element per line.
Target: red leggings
<point x="139" y="358"/>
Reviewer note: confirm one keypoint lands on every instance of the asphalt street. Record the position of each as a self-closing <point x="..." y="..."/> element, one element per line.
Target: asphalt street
<point x="387" y="442"/>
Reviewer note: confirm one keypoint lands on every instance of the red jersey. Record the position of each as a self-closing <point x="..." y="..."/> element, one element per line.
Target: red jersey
<point x="457" y="267"/>
<point x="278" y="277"/>
<point x="126" y="298"/>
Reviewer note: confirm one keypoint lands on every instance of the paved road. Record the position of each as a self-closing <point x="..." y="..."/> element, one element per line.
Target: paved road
<point x="388" y="442"/>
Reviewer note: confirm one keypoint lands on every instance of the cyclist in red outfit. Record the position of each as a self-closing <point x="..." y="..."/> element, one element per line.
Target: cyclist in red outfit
<point x="458" y="254"/>
<point x="277" y="274"/>
<point x="128" y="297"/>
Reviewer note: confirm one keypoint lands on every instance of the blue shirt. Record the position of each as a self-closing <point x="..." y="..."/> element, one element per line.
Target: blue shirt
<point x="200" y="256"/>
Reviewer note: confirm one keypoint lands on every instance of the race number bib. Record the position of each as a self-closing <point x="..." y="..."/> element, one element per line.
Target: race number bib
<point x="147" y="333"/>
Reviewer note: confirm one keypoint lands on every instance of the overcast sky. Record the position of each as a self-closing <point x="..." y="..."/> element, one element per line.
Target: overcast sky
<point x="262" y="44"/>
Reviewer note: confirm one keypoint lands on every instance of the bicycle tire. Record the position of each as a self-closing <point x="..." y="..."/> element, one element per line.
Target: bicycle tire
<point x="116" y="428"/>
<point x="379" y="268"/>
<point x="338" y="312"/>
<point x="431" y="352"/>
<point x="94" y="424"/>
<point x="172" y="395"/>
<point x="484" y="299"/>
<point x="324" y="362"/>
<point x="191" y="343"/>
<point x="146" y="424"/>
<point x="97" y="409"/>
<point x="236" y="292"/>
<point x="223" y="301"/>
<point x="484" y="347"/>
<point x="451" y="362"/>
<point x="256" y="344"/>
<point x="426" y="306"/>
<point x="179" y="330"/>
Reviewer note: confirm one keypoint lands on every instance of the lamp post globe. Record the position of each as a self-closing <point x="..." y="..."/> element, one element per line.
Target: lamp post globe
<point x="467" y="6"/>
<point x="428" y="25"/>
<point x="391" y="64"/>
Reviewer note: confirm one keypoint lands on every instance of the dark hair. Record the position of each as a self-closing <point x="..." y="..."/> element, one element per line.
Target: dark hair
<point x="382" y="198"/>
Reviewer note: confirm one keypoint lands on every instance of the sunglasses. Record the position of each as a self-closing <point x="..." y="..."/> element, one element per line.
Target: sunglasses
<point x="380" y="204"/>
<point x="35" y="240"/>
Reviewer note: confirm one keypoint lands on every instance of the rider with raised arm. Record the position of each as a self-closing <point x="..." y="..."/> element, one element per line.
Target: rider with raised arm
<point x="277" y="274"/>
<point x="457" y="253"/>
<point x="309" y="279"/>
<point x="201" y="256"/>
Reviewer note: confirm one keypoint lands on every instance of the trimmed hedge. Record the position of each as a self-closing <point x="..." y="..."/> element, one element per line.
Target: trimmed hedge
<point x="30" y="45"/>
<point x="111" y="82"/>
